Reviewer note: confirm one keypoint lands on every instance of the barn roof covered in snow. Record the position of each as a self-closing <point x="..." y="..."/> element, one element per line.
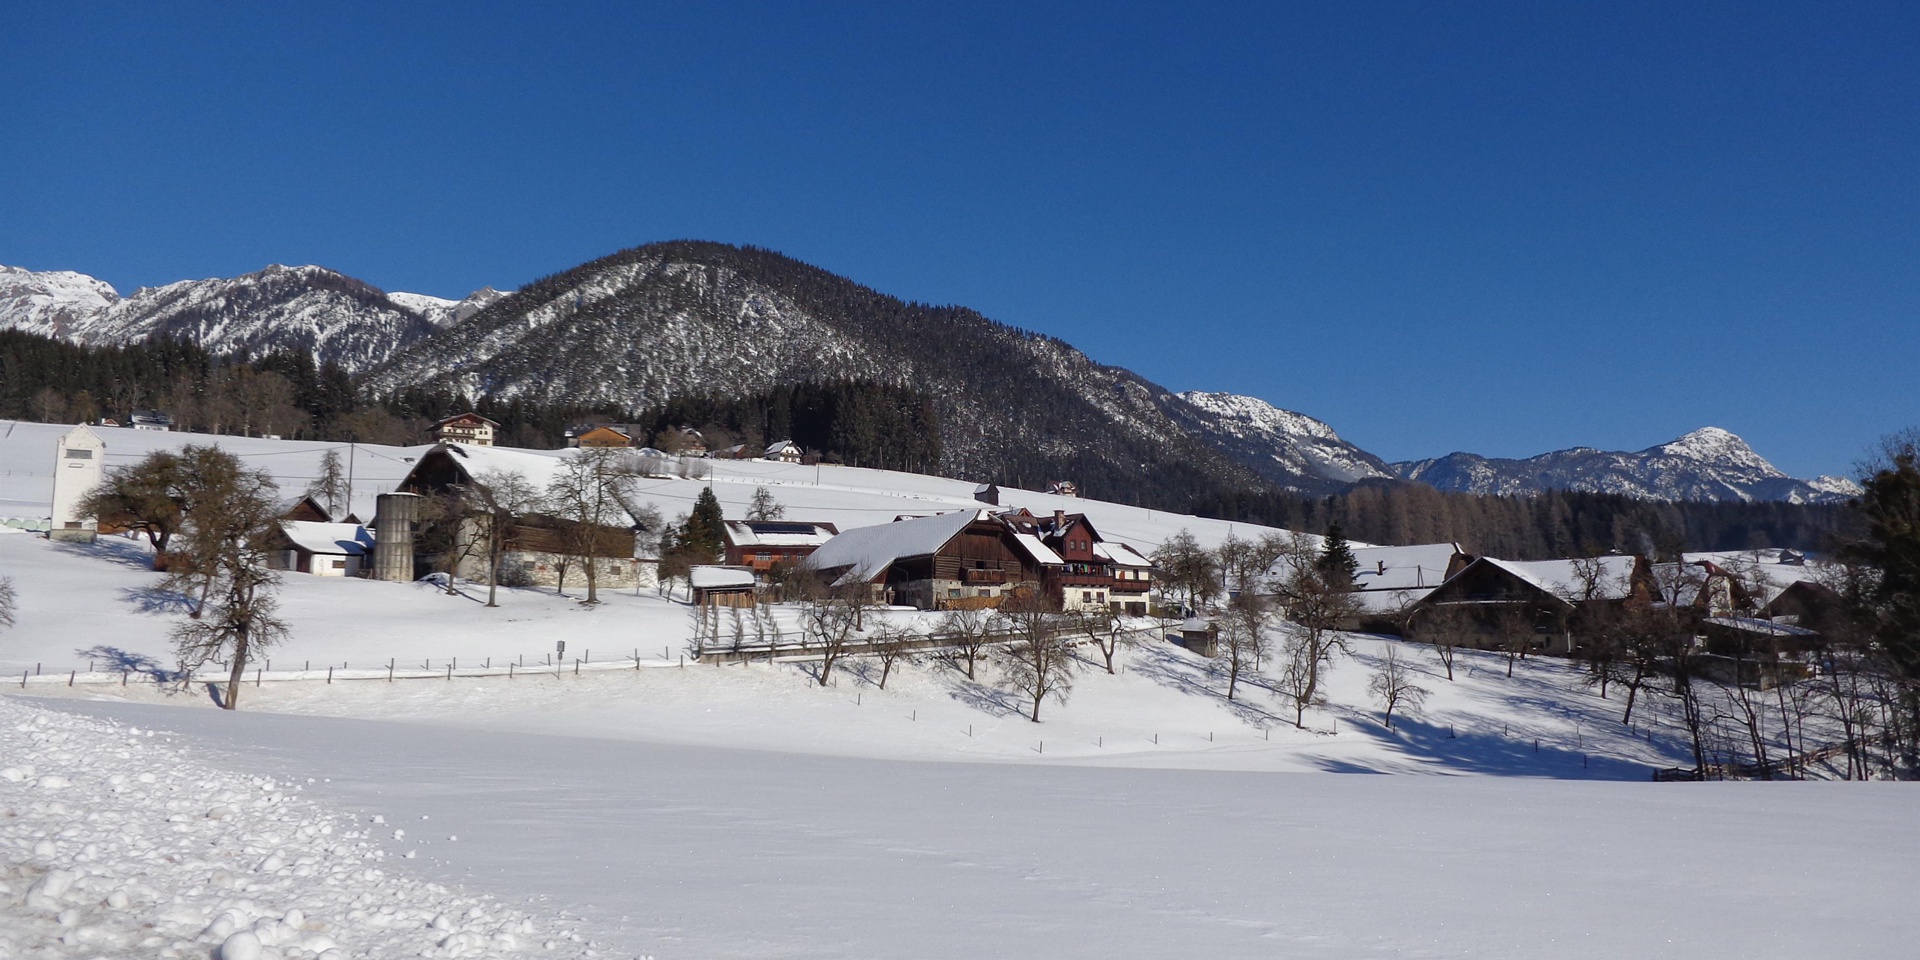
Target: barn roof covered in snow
<point x="866" y="552"/>
<point x="345" y="539"/>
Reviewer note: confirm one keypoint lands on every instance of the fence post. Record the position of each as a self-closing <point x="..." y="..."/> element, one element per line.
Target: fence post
<point x="329" y="673"/>
<point x="509" y="669"/>
<point x="70" y="674"/>
<point x="257" y="673"/>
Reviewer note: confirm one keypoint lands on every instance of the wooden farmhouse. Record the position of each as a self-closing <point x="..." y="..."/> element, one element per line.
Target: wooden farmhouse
<point x="1544" y="602"/>
<point x="303" y="507"/>
<point x="1089" y="572"/>
<point x="468" y="428"/>
<point x="784" y="451"/>
<point x="541" y="550"/>
<point x="761" y="545"/>
<point x="968" y="558"/>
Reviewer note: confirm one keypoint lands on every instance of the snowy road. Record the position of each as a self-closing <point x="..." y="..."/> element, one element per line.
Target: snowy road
<point x="681" y="851"/>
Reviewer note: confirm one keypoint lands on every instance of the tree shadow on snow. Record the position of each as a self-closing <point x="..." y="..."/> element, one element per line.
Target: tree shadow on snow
<point x="118" y="550"/>
<point x="1473" y="752"/>
<point x="1181" y="670"/>
<point x="115" y="660"/>
<point x="153" y="600"/>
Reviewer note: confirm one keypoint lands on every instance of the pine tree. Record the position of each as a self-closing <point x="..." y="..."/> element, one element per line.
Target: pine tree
<point x="1336" y="558"/>
<point x="703" y="530"/>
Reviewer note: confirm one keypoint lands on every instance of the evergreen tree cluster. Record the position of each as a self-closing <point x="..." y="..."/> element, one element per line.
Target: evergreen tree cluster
<point x="859" y="423"/>
<point x="1558" y="523"/>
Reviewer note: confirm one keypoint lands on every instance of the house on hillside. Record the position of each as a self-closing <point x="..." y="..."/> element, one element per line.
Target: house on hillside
<point x="987" y="493"/>
<point x="683" y="441"/>
<point x="1088" y="571"/>
<point x="150" y="420"/>
<point x="785" y="451"/>
<point x="1388" y="581"/>
<point x="468" y="428"/>
<point x="602" y="435"/>
<point x="541" y="550"/>
<point x="1063" y="488"/>
<point x="1545" y="602"/>
<point x="968" y="558"/>
<point x="321" y="548"/>
<point x="762" y="545"/>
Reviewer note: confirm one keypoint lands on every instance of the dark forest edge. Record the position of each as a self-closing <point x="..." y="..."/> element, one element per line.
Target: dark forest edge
<point x="860" y="424"/>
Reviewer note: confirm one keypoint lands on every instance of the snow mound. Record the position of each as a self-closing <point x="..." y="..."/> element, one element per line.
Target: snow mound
<point x="113" y="842"/>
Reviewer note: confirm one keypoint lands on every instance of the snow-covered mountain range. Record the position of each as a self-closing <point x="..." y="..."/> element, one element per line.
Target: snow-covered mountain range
<point x="1291" y="449"/>
<point x="671" y="319"/>
<point x="307" y="309"/>
<point x="1707" y="464"/>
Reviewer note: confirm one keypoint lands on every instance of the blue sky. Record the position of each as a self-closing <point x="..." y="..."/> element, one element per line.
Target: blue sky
<point x="1504" y="228"/>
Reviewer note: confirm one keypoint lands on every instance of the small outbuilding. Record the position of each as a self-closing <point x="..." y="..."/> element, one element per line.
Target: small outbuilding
<point x="322" y="549"/>
<point x="718" y="586"/>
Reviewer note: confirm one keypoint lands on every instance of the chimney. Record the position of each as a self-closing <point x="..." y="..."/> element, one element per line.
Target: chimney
<point x="1059" y="520"/>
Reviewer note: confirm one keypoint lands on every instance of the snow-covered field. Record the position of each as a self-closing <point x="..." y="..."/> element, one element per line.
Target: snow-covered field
<point x="115" y="842"/>
<point x="649" y="808"/>
<point x="675" y="851"/>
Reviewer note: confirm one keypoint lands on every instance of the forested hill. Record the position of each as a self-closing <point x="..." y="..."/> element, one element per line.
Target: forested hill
<point x="648" y="325"/>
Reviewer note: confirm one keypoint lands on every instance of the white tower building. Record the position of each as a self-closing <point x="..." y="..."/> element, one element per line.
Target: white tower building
<point x="76" y="471"/>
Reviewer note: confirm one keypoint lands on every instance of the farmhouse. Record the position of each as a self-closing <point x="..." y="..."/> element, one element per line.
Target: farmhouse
<point x="761" y="545"/>
<point x="1091" y="573"/>
<point x="604" y="435"/>
<point x="467" y="428"/>
<point x="964" y="558"/>
<point x="540" y="550"/>
<point x="785" y="451"/>
<point x="1547" y="599"/>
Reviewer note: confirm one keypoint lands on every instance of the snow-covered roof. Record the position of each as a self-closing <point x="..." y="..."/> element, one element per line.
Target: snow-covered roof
<point x="1560" y="578"/>
<point x="348" y="539"/>
<point x="778" y="533"/>
<point x="1771" y="628"/>
<point x="1040" y="552"/>
<point x="781" y="447"/>
<point x="711" y="577"/>
<point x="866" y="552"/>
<point x="1120" y="554"/>
<point x="1418" y="568"/>
<point x="1764" y="566"/>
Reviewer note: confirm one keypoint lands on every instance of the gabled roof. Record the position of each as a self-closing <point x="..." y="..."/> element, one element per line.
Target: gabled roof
<point x="708" y="577"/>
<point x="866" y="552"/>
<point x="347" y="539"/>
<point x="1415" y="569"/>
<point x="443" y="421"/>
<point x="778" y="533"/>
<point x="1560" y="578"/>
<point x="1039" y="552"/>
<point x="1120" y="554"/>
<point x="781" y="447"/>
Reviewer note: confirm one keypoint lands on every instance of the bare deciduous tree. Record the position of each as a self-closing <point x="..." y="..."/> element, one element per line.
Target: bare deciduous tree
<point x="764" y="506"/>
<point x="1038" y="659"/>
<point x="1243" y="637"/>
<point x="1319" y="604"/>
<point x="891" y="644"/>
<point x="147" y="495"/>
<point x="230" y="523"/>
<point x="1104" y="630"/>
<point x="968" y="631"/>
<point x="499" y="499"/>
<point x="833" y="620"/>
<point x="591" y="491"/>
<point x="1446" y="628"/>
<point x="9" y="602"/>
<point x="1392" y="685"/>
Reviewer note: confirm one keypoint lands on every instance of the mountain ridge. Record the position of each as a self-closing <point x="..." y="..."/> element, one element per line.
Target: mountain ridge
<point x="652" y="322"/>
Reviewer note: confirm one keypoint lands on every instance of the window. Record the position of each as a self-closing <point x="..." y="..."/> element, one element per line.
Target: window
<point x="1086" y="596"/>
<point x="339" y="564"/>
<point x="79" y="454"/>
<point x="953" y="592"/>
